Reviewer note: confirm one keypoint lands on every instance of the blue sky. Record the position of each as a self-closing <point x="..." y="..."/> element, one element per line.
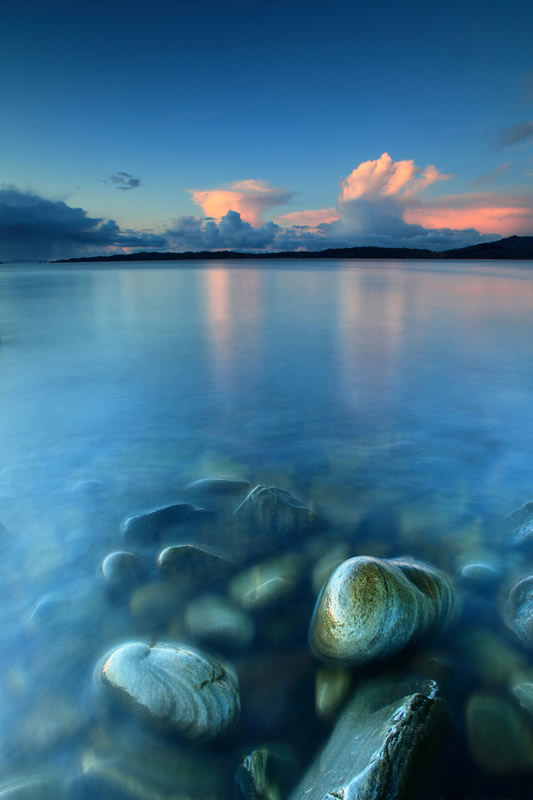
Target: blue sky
<point x="124" y="110"/>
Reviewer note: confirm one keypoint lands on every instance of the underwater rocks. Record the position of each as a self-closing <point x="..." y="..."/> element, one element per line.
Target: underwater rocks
<point x="498" y="737"/>
<point x="172" y="688"/>
<point x="518" y="611"/>
<point x="268" y="583"/>
<point x="272" y="512"/>
<point x="188" y="565"/>
<point x="149" y="770"/>
<point x="32" y="788"/>
<point x="218" y="486"/>
<point x="370" y="608"/>
<point x="149" y="527"/>
<point x="122" y="570"/>
<point x="520" y="523"/>
<point x="379" y="745"/>
<point x="212" y="618"/>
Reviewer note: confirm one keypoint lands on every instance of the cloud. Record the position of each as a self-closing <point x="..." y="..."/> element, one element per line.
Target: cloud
<point x="387" y="178"/>
<point x="308" y="219"/>
<point x="33" y="227"/>
<point x="231" y="232"/>
<point x="124" y="181"/>
<point x="249" y="198"/>
<point x="380" y="203"/>
<point x="517" y="133"/>
<point x="491" y="175"/>
<point x="485" y="211"/>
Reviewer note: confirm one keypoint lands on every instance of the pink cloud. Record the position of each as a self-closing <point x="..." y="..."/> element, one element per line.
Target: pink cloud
<point x="486" y="212"/>
<point x="311" y="218"/>
<point x="385" y="177"/>
<point x="249" y="198"/>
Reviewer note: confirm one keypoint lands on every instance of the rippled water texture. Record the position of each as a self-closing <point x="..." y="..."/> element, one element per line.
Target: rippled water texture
<point x="394" y="398"/>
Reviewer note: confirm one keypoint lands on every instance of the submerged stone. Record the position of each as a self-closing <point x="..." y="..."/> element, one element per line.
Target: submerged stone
<point x="489" y="658"/>
<point x="332" y="686"/>
<point x="254" y="778"/>
<point x="480" y="574"/>
<point x="518" y="611"/>
<point x="150" y="771"/>
<point x="172" y="688"/>
<point x="520" y="523"/>
<point x="379" y="746"/>
<point x="273" y="512"/>
<point x="122" y="570"/>
<point x="267" y="583"/>
<point x="523" y="691"/>
<point x="499" y="739"/>
<point x="212" y="619"/>
<point x="519" y="516"/>
<point x="150" y="526"/>
<point x="371" y="608"/>
<point x="190" y="565"/>
<point x="219" y="486"/>
<point x="36" y="787"/>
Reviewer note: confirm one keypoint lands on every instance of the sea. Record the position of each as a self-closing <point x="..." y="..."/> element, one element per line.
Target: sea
<point x="394" y="399"/>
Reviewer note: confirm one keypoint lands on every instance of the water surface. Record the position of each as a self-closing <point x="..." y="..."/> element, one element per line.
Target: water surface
<point x="394" y="397"/>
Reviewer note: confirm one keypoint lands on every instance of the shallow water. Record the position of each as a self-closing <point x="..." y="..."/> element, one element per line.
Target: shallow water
<point x="393" y="397"/>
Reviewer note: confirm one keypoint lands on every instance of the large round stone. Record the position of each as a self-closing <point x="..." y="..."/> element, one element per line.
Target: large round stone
<point x="370" y="608"/>
<point x="172" y="688"/>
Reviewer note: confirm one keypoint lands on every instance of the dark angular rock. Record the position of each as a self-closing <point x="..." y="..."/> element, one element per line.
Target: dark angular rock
<point x="269" y="515"/>
<point x="379" y="746"/>
<point x="520" y="523"/>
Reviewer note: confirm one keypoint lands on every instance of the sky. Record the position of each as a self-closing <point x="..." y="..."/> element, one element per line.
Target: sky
<point x="252" y="125"/>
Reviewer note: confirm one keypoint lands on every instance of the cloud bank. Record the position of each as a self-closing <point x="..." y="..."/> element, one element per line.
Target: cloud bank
<point x="381" y="203"/>
<point x="32" y="227"/>
<point x="376" y="206"/>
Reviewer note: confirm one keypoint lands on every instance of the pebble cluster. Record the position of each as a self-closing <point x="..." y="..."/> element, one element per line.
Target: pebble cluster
<point x="229" y="632"/>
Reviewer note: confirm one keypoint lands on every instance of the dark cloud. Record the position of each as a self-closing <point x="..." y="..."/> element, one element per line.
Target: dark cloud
<point x="124" y="181"/>
<point x="32" y="227"/>
<point x="375" y="228"/>
<point x="231" y="232"/>
<point x="516" y="134"/>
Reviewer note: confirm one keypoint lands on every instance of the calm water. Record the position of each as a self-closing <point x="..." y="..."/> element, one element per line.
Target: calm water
<point x="396" y="398"/>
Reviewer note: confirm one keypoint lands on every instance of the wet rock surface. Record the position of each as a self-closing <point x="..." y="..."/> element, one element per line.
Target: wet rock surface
<point x="378" y="746"/>
<point x="370" y="608"/>
<point x="172" y="688"/>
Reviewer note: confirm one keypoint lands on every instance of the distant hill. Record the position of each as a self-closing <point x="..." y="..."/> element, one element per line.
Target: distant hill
<point x="513" y="247"/>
